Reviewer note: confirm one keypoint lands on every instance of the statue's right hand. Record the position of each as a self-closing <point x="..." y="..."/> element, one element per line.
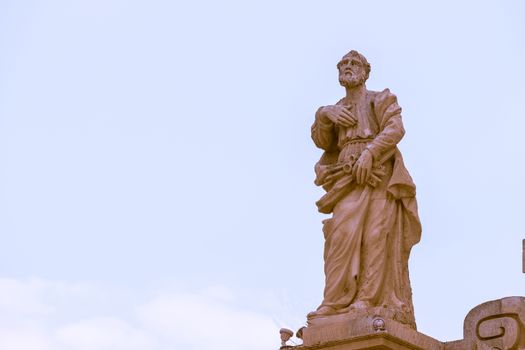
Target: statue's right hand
<point x="339" y="115"/>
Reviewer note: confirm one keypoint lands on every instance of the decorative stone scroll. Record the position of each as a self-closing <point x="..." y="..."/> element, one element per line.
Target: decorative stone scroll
<point x="497" y="324"/>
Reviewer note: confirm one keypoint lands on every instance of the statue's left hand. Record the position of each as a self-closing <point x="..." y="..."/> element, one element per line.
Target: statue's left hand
<point x="363" y="167"/>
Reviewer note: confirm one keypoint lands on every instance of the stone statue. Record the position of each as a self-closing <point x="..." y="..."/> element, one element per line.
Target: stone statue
<point x="371" y="196"/>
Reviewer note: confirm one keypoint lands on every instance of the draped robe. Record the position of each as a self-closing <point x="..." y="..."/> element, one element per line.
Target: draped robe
<point x="372" y="230"/>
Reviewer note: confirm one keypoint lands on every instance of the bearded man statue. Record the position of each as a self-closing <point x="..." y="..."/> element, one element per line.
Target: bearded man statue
<point x="371" y="196"/>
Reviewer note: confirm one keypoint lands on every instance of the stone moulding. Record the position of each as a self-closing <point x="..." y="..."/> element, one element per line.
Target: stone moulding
<point x="494" y="325"/>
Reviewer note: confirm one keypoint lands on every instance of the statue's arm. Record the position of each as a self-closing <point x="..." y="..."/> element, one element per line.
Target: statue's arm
<point x="388" y="138"/>
<point x="323" y="132"/>
<point x="392" y="131"/>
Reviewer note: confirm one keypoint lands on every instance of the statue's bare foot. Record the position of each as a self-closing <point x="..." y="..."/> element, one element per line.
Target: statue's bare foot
<point x="322" y="311"/>
<point x="360" y="305"/>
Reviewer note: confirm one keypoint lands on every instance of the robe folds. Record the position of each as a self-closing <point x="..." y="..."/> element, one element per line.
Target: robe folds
<point x="373" y="228"/>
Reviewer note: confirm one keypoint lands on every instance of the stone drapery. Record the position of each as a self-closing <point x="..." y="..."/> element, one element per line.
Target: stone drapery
<point x="372" y="230"/>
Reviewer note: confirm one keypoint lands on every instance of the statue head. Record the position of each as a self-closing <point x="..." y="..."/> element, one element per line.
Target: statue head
<point x="353" y="69"/>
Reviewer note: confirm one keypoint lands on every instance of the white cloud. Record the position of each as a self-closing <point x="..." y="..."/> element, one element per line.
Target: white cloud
<point x="23" y="297"/>
<point x="51" y="316"/>
<point x="104" y="334"/>
<point x="199" y="322"/>
<point x="28" y="338"/>
<point x="219" y="293"/>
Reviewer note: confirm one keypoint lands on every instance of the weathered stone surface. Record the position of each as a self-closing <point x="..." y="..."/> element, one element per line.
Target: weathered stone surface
<point x="494" y="325"/>
<point x="371" y="196"/>
<point x="367" y="302"/>
<point x="497" y="324"/>
<point x="377" y="341"/>
<point x="363" y="327"/>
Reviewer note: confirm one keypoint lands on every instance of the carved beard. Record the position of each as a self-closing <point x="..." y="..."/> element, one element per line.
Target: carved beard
<point x="351" y="80"/>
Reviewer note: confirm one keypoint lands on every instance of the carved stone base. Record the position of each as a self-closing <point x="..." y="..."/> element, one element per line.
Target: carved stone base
<point x="494" y="325"/>
<point x="375" y="341"/>
<point x="364" y="330"/>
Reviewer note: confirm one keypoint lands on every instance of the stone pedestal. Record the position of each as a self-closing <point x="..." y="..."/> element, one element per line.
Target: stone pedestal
<point x="364" y="330"/>
<point x="379" y="341"/>
<point x="494" y="325"/>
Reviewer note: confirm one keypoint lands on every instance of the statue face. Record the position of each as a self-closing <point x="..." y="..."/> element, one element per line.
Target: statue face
<point x="352" y="71"/>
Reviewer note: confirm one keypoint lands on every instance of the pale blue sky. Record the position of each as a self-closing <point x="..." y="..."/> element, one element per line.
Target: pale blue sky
<point x="156" y="163"/>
